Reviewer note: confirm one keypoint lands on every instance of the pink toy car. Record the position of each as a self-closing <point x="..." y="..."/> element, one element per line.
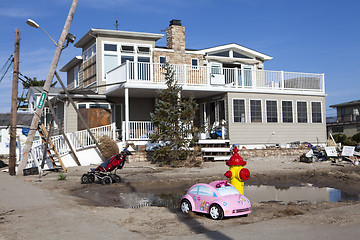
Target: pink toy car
<point x="219" y="199"/>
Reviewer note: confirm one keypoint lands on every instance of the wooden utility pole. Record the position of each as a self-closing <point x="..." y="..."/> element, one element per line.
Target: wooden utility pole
<point x="49" y="78"/>
<point x="13" y="122"/>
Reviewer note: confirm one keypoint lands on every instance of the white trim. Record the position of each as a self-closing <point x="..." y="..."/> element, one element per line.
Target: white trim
<point x="193" y="52"/>
<point x="237" y="47"/>
<point x="193" y="66"/>
<point x="297" y="112"/>
<point x="163" y="50"/>
<point x="261" y="109"/>
<point x="76" y="76"/>
<point x="282" y="112"/>
<point x="321" y="112"/>
<point x="88" y="104"/>
<point x="277" y="110"/>
<point x="232" y="110"/>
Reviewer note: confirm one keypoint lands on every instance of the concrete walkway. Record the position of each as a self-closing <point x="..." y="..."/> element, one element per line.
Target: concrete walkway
<point x="29" y="212"/>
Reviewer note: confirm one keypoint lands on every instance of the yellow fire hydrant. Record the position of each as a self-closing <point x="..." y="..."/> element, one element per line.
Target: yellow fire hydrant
<point x="237" y="173"/>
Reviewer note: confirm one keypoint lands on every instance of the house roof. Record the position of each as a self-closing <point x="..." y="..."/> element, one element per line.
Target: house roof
<point x="73" y="62"/>
<point x="239" y="48"/>
<point x="23" y="119"/>
<point x="346" y="104"/>
<point x="126" y="34"/>
<point x="52" y="90"/>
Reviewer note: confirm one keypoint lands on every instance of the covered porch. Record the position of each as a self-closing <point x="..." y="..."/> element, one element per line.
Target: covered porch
<point x="131" y="108"/>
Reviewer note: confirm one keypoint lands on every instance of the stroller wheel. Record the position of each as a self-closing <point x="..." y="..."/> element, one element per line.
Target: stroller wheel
<point x="91" y="178"/>
<point x="85" y="178"/>
<point x="116" y="178"/>
<point x="106" y="180"/>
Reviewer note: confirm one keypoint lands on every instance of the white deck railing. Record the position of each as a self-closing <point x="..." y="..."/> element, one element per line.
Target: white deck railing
<point x="138" y="130"/>
<point x="218" y="77"/>
<point x="79" y="140"/>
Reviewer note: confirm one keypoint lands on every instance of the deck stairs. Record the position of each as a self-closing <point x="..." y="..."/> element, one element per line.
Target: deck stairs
<point x="215" y="149"/>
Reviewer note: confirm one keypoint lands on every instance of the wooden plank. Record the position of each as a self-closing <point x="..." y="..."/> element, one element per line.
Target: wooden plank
<point x="54" y="149"/>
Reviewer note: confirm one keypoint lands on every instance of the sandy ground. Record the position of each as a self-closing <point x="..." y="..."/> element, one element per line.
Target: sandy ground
<point x="45" y="208"/>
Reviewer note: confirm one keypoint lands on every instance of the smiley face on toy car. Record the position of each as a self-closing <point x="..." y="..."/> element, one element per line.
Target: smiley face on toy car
<point x="218" y="199"/>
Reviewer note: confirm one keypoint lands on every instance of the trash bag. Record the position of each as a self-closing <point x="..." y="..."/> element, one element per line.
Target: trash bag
<point x="305" y="159"/>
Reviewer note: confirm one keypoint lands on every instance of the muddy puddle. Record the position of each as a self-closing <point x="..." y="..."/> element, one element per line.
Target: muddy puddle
<point x="125" y="195"/>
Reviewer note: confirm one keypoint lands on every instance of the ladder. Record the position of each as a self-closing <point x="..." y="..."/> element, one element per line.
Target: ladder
<point x="49" y="146"/>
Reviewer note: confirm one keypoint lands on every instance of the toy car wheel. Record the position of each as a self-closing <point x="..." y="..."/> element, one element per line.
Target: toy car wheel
<point x="106" y="180"/>
<point x="91" y="178"/>
<point x="85" y="179"/>
<point x="216" y="212"/>
<point x="185" y="206"/>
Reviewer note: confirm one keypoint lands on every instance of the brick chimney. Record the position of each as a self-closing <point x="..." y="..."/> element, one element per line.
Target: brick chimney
<point x="175" y="36"/>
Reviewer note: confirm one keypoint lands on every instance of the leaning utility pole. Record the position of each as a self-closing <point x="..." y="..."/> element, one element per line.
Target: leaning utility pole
<point x="49" y="78"/>
<point x="13" y="122"/>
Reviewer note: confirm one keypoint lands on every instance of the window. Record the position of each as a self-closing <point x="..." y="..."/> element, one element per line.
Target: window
<point x="195" y="63"/>
<point x="143" y="50"/>
<point x="76" y="76"/>
<point x="215" y="68"/>
<point x="287" y="112"/>
<point x="162" y="59"/>
<point x="316" y="112"/>
<point x="81" y="105"/>
<point x="221" y="108"/>
<point x="255" y="111"/>
<point x="194" y="190"/>
<point x="301" y="112"/>
<point x="239" y="55"/>
<point x="110" y="47"/>
<point x="127" y="49"/>
<point x="125" y="58"/>
<point x="227" y="190"/>
<point x="220" y="54"/>
<point x="205" y="191"/>
<point x="271" y="111"/>
<point x="239" y="110"/>
<point x="337" y="129"/>
<point x="93" y="105"/>
<point x="89" y="53"/>
<point x="110" y="62"/>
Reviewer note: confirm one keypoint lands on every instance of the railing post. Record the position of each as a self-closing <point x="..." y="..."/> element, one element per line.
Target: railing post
<point x="208" y="69"/>
<point x="185" y="75"/>
<point x="323" y="82"/>
<point x="282" y="80"/>
<point x="123" y="131"/>
<point x="236" y="77"/>
<point x="113" y="126"/>
<point x="127" y="70"/>
<point x="151" y="66"/>
<point x="242" y="78"/>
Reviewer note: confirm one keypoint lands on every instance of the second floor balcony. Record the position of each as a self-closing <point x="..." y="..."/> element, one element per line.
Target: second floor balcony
<point x="218" y="77"/>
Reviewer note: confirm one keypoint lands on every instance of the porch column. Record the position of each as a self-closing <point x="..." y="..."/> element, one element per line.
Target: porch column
<point x="127" y="107"/>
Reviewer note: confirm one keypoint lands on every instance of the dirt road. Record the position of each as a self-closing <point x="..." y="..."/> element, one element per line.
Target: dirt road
<point x="46" y="208"/>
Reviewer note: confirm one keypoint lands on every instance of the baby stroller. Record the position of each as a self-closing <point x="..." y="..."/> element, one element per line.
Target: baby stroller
<point x="104" y="171"/>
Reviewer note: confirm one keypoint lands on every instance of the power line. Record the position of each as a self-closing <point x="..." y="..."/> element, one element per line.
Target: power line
<point x="11" y="59"/>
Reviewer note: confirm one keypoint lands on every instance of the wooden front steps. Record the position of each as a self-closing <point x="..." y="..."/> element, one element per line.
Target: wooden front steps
<point x="215" y="149"/>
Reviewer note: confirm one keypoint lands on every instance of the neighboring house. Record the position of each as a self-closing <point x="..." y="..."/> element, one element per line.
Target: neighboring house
<point x="122" y="72"/>
<point x="348" y="119"/>
<point x="33" y="97"/>
<point x="23" y="121"/>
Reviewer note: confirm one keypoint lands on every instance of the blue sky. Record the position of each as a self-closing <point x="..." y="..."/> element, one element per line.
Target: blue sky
<point x="315" y="36"/>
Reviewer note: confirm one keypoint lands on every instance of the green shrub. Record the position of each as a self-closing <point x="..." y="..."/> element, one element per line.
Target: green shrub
<point x="340" y="138"/>
<point x="356" y="137"/>
<point x="62" y="177"/>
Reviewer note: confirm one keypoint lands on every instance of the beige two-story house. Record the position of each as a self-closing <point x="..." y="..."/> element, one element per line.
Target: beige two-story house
<point x="118" y="75"/>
